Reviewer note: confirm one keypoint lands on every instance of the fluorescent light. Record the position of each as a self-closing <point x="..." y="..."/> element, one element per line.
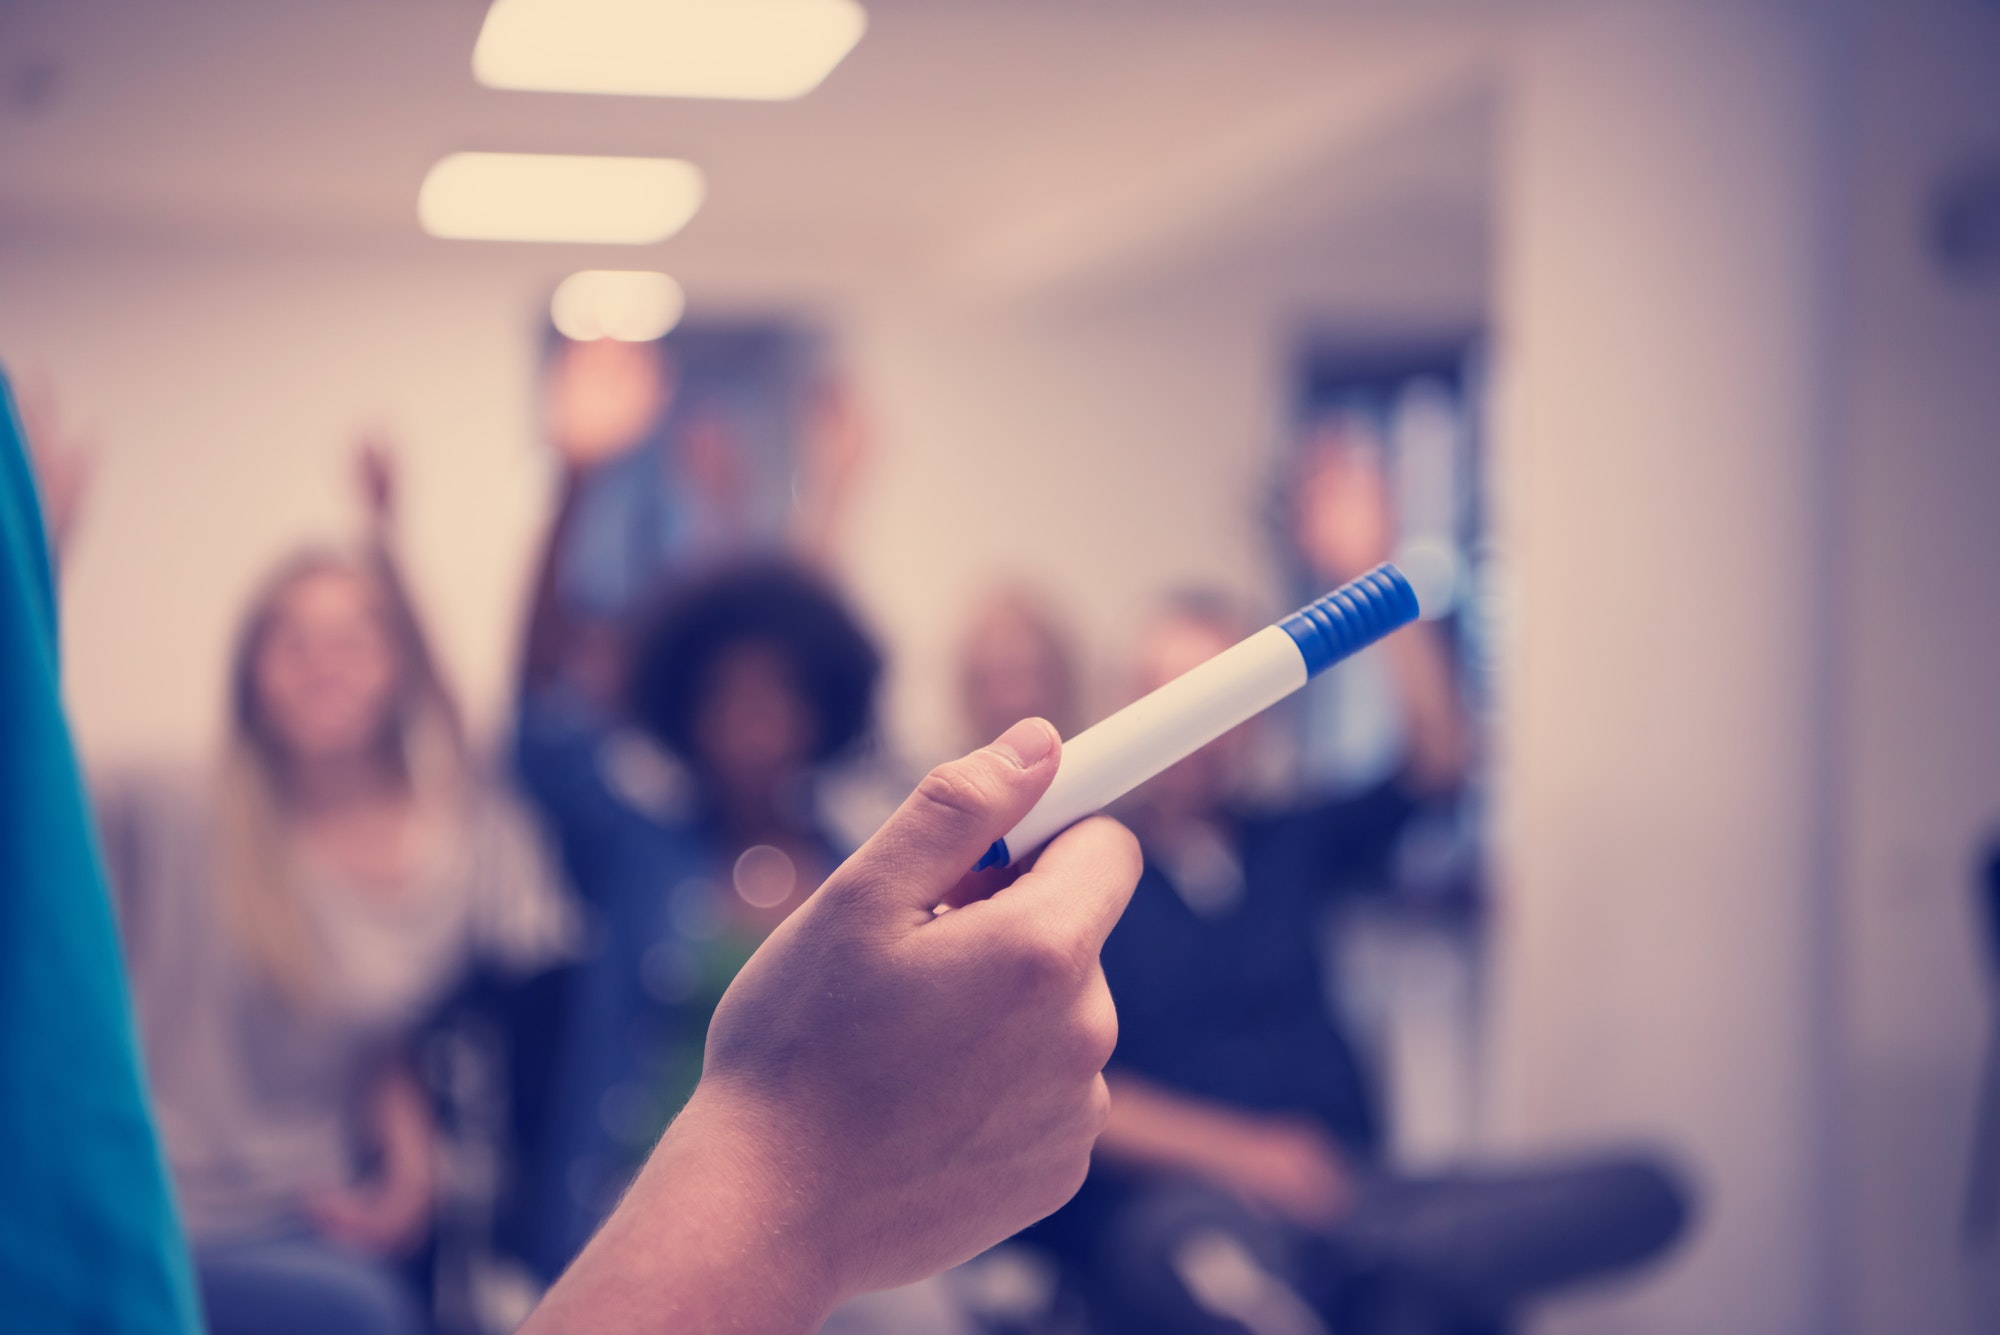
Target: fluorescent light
<point x="771" y="50"/>
<point x="631" y="306"/>
<point x="550" y="197"/>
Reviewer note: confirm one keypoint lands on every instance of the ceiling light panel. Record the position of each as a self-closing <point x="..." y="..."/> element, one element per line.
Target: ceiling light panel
<point x="628" y="305"/>
<point x="552" y="197"/>
<point x="769" y="50"/>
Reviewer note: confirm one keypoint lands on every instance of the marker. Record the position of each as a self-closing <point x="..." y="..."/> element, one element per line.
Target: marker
<point x="1108" y="760"/>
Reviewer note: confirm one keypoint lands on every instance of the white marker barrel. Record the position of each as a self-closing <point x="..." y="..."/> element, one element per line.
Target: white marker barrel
<point x="1104" y="762"/>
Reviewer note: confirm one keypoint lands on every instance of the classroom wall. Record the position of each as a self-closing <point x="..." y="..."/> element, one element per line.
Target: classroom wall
<point x="1101" y="457"/>
<point x="1752" y="737"/>
<point x="1662" y="292"/>
<point x="1108" y="440"/>
<point x="1116" y="436"/>
<point x="1920" y="638"/>
<point x="222" y="387"/>
<point x="1104" y="456"/>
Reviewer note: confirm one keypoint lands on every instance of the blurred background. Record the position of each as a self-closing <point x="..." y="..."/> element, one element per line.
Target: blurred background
<point x="1669" y="330"/>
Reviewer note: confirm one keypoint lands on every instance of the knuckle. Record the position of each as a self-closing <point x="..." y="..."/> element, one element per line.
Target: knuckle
<point x="1087" y="1044"/>
<point x="1099" y="1035"/>
<point x="956" y="789"/>
<point x="1097" y="1106"/>
<point x="1044" y="963"/>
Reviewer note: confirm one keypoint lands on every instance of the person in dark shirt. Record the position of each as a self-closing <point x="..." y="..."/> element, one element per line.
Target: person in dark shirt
<point x="1218" y="966"/>
<point x="1240" y="1181"/>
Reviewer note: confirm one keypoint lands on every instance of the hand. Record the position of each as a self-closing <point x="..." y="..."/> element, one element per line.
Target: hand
<point x="938" y="1076"/>
<point x="375" y="477"/>
<point x="837" y="439"/>
<point x="391" y="1214"/>
<point x="887" y="1089"/>
<point x="62" y="464"/>
<point x="602" y="397"/>
<point x="385" y="1218"/>
<point x="1346" y="525"/>
<point x="833" y="453"/>
<point x="1287" y="1165"/>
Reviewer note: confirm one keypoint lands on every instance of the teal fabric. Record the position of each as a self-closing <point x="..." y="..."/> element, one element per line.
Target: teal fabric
<point x="89" y="1240"/>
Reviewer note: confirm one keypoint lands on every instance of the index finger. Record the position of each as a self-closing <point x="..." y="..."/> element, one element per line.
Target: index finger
<point x="1082" y="881"/>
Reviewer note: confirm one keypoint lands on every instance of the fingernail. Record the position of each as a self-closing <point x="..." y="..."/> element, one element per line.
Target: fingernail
<point x="1027" y="743"/>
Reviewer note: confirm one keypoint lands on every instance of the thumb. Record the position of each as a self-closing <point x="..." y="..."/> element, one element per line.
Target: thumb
<point x="952" y="818"/>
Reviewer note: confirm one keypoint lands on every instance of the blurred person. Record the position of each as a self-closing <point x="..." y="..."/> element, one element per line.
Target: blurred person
<point x="888" y="1088"/>
<point x="292" y="920"/>
<point x="600" y="399"/>
<point x="1239" y="1180"/>
<point x="655" y="491"/>
<point x="658" y="481"/>
<point x="1016" y="659"/>
<point x="691" y="824"/>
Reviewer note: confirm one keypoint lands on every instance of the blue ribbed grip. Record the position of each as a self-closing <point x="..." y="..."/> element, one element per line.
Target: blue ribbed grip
<point x="1352" y="617"/>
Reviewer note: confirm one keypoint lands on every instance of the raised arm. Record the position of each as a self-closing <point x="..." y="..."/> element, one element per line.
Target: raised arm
<point x="63" y="464"/>
<point x="887" y="1090"/>
<point x="1346" y="525"/>
<point x="1288" y="1164"/>
<point x="375" y="476"/>
<point x="550" y="625"/>
<point x="834" y="452"/>
<point x="599" y="401"/>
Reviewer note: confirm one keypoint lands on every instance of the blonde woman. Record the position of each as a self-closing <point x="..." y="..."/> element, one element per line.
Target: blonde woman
<point x="289" y="923"/>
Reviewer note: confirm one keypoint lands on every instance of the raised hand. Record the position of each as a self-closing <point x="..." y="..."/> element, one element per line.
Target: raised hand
<point x="375" y="480"/>
<point x="63" y="462"/>
<point x="833" y="453"/>
<point x="1345" y="522"/>
<point x="602" y="398"/>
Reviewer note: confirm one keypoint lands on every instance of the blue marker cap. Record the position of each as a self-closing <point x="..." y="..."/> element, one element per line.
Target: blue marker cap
<point x="1346" y="621"/>
<point x="1352" y="617"/>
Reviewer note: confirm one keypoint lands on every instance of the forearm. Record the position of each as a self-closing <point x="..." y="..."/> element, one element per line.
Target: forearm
<point x="836" y="447"/>
<point x="1154" y="1127"/>
<point x="712" y="1236"/>
<point x="1440" y="743"/>
<point x="406" y="1132"/>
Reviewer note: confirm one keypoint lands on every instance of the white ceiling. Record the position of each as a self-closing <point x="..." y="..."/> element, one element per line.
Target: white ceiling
<point x="982" y="145"/>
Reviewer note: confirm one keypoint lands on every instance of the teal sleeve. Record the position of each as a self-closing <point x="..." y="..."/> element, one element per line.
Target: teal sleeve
<point x="89" y="1240"/>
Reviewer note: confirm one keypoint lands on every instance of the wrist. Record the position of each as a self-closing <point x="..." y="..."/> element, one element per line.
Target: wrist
<point x="721" y="1231"/>
<point x="1232" y="1144"/>
<point x="771" y="1185"/>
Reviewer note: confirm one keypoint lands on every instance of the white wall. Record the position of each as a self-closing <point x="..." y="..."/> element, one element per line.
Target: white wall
<point x="1921" y="640"/>
<point x="223" y="389"/>
<point x="1662" y="294"/>
<point x="1754" y="739"/>
<point x="1103" y="456"/>
<point x="1115" y="438"/>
